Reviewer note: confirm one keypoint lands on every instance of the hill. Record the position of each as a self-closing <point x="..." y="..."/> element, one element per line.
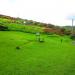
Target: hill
<point x="30" y="26"/>
<point x="24" y="53"/>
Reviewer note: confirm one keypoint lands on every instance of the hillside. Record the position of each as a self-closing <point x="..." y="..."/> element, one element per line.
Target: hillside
<point x="69" y="28"/>
<point x="30" y="26"/>
<point x="17" y="24"/>
<point x="22" y="52"/>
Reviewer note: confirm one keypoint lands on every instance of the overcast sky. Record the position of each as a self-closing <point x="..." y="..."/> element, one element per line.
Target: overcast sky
<point x="47" y="11"/>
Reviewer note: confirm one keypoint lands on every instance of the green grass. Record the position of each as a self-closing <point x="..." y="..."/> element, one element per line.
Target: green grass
<point x="20" y="27"/>
<point x="34" y="58"/>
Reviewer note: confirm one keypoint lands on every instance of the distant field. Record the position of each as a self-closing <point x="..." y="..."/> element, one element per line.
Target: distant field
<point x="21" y="54"/>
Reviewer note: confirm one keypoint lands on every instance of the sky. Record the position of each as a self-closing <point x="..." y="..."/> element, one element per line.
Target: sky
<point x="58" y="12"/>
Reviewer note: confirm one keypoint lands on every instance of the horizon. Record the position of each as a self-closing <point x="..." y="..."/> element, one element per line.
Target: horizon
<point x="48" y="11"/>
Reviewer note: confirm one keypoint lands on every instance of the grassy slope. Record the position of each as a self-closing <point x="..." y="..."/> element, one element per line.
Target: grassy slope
<point x="49" y="58"/>
<point x="20" y="26"/>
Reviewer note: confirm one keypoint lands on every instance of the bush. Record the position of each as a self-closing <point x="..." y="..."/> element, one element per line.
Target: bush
<point x="3" y="28"/>
<point x="72" y="37"/>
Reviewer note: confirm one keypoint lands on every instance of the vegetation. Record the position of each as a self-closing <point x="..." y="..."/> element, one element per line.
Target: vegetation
<point x="73" y="37"/>
<point x="29" y="26"/>
<point x="22" y="52"/>
<point x="19" y="27"/>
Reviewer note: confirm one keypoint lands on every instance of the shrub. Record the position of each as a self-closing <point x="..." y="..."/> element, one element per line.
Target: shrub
<point x="72" y="37"/>
<point x="3" y="28"/>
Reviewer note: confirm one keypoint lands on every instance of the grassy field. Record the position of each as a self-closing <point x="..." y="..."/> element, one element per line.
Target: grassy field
<point x="51" y="57"/>
<point x="20" y="27"/>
